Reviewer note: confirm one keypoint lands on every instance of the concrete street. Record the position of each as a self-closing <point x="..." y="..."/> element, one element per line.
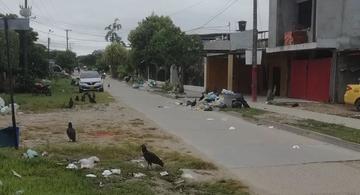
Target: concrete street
<point x="264" y="159"/>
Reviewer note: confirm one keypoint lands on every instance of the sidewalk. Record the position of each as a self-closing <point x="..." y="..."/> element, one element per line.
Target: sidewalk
<point x="303" y="114"/>
<point x="327" y="118"/>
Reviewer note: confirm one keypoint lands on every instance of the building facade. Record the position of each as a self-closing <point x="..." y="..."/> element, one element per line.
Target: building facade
<point x="313" y="50"/>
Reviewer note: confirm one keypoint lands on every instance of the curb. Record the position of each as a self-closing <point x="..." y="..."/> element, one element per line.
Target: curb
<point x="303" y="132"/>
<point x="315" y="135"/>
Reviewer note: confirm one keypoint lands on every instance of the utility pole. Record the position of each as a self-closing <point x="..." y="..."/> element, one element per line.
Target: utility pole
<point x="67" y="39"/>
<point x="254" y="55"/>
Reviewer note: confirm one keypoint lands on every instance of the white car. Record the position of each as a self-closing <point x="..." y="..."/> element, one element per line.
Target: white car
<point x="90" y="81"/>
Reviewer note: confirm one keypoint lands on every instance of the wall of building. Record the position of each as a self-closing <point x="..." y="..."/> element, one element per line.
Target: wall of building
<point x="281" y="61"/>
<point x="217" y="70"/>
<point x="283" y="16"/>
<point x="348" y="66"/>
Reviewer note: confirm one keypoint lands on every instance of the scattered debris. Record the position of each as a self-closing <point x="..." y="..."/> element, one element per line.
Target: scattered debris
<point x="294" y="105"/>
<point x="138" y="160"/>
<point x="106" y="173"/>
<point x="19" y="192"/>
<point x="271" y="127"/>
<point x="45" y="154"/>
<point x="88" y="163"/>
<point x="208" y="108"/>
<point x="16" y="174"/>
<point x="209" y="119"/>
<point x="180" y="181"/>
<point x="179" y="103"/>
<point x="72" y="166"/>
<point x="164" y="173"/>
<point x="295" y="147"/>
<point x="187" y="176"/>
<point x="138" y="175"/>
<point x="116" y="171"/>
<point x="232" y="128"/>
<point x="30" y="154"/>
<point x="91" y="175"/>
<point x="2" y="102"/>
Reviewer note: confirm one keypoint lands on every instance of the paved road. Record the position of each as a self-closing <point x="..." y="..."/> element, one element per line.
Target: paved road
<point x="261" y="157"/>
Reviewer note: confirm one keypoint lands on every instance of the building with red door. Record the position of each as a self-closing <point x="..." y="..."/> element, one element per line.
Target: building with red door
<point x="313" y="50"/>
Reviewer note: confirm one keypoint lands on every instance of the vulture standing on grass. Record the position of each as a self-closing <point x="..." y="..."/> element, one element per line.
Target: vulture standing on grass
<point x="71" y="132"/>
<point x="193" y="103"/>
<point x="77" y="98"/>
<point x="150" y="157"/>
<point x="71" y="103"/>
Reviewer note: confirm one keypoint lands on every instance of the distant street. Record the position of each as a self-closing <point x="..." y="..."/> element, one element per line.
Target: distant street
<point x="270" y="161"/>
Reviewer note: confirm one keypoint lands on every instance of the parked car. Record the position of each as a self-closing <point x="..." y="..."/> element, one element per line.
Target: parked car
<point x="352" y="95"/>
<point x="90" y="81"/>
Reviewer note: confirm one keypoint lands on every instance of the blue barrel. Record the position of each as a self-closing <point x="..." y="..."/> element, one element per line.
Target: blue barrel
<point x="9" y="137"/>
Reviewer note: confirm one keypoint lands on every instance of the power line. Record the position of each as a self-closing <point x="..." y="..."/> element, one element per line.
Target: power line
<point x="6" y="8"/>
<point x="186" y="8"/>
<point x="215" y="16"/>
<point x="62" y="36"/>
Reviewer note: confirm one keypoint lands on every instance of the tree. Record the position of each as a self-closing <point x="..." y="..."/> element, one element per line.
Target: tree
<point x="116" y="56"/>
<point x="66" y="59"/>
<point x="140" y="39"/>
<point x="158" y="41"/>
<point x="112" y="35"/>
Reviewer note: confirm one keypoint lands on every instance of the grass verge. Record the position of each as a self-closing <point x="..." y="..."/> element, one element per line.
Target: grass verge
<point x="250" y="113"/>
<point x="61" y="93"/>
<point x="49" y="176"/>
<point x="335" y="130"/>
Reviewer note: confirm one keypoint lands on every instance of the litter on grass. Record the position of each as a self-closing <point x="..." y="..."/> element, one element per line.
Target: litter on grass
<point x="106" y="173"/>
<point x="16" y="174"/>
<point x="91" y="175"/>
<point x="30" y="154"/>
<point x="138" y="175"/>
<point x="164" y="173"/>
<point x="71" y="166"/>
<point x="116" y="171"/>
<point x="295" y="147"/>
<point x="88" y="163"/>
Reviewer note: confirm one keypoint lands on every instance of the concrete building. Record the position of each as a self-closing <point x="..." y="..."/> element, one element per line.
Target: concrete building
<point x="224" y="63"/>
<point x="313" y="50"/>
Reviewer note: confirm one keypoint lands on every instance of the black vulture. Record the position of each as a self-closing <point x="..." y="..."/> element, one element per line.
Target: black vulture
<point x="150" y="157"/>
<point x="71" y="103"/>
<point x="83" y="98"/>
<point x="109" y="85"/>
<point x="93" y="96"/>
<point x="202" y="97"/>
<point x="77" y="98"/>
<point x="193" y="103"/>
<point x="91" y="100"/>
<point x="71" y="132"/>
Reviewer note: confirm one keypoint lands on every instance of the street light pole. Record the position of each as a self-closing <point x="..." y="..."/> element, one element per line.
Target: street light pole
<point x="10" y="70"/>
<point x="254" y="56"/>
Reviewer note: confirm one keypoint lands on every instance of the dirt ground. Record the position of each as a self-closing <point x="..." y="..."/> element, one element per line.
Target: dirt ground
<point x="101" y="125"/>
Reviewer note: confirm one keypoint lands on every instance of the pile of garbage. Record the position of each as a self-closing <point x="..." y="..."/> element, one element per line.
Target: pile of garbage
<point x="213" y="100"/>
<point x="4" y="110"/>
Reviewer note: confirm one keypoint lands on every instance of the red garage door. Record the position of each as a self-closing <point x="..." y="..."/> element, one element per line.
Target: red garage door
<point x="310" y="79"/>
<point x="319" y="79"/>
<point x="298" y="79"/>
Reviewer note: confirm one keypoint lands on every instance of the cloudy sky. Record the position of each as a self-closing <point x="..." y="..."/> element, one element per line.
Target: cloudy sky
<point x="87" y="18"/>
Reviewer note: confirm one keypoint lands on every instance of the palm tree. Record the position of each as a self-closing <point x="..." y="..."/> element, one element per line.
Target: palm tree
<point x="112" y="29"/>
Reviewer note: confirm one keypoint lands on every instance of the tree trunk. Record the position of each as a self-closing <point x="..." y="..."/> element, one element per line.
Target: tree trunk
<point x="180" y="84"/>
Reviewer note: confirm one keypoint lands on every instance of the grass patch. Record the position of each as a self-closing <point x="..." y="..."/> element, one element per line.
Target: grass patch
<point x="223" y="187"/>
<point x="61" y="93"/>
<point x="49" y="176"/>
<point x="335" y="130"/>
<point x="246" y="112"/>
